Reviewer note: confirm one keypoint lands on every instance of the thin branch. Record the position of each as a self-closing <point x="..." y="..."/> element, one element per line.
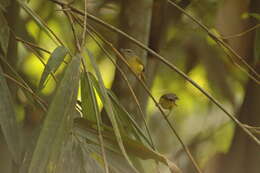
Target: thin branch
<point x="24" y="85"/>
<point x="41" y="102"/>
<point x="215" y="38"/>
<point x="40" y="58"/>
<point x="253" y="128"/>
<point x="43" y="23"/>
<point x="241" y="68"/>
<point x="32" y="45"/>
<point x="241" y="34"/>
<point x="67" y="13"/>
<point x="84" y="25"/>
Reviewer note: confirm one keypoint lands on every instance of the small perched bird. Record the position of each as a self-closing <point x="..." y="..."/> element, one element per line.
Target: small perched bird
<point x="168" y="101"/>
<point x="134" y="62"/>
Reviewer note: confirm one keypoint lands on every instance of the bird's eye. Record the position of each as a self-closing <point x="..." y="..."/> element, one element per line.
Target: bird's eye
<point x="127" y="50"/>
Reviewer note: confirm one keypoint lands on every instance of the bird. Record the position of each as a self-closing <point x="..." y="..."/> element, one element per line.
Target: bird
<point x="168" y="101"/>
<point x="134" y="62"/>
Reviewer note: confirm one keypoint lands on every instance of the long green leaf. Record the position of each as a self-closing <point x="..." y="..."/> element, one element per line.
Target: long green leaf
<point x="88" y="98"/>
<point x="127" y="117"/>
<point x="109" y="109"/>
<point x="125" y="121"/>
<point x="117" y="163"/>
<point x="90" y="109"/>
<point x="54" y="128"/>
<point x="8" y="119"/>
<point x="135" y="148"/>
<point x="53" y="63"/>
<point x="119" y="108"/>
<point x="4" y="34"/>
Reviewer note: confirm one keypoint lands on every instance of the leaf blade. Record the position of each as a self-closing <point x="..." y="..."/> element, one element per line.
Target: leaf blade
<point x="88" y="98"/>
<point x="133" y="147"/>
<point x="52" y="132"/>
<point x="55" y="60"/>
<point x="8" y="119"/>
<point x="109" y="109"/>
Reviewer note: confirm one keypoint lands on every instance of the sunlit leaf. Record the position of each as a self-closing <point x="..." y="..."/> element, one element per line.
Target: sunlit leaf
<point x="88" y="98"/>
<point x="55" y="60"/>
<point x="4" y="34"/>
<point x="8" y="119"/>
<point x="55" y="128"/>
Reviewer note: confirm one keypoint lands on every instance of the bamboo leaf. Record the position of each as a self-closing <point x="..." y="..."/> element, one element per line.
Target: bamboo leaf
<point x="8" y="119"/>
<point x="109" y="109"/>
<point x="4" y="34"/>
<point x="54" y="128"/>
<point x="116" y="162"/>
<point x="85" y="129"/>
<point x="88" y="98"/>
<point x="70" y="159"/>
<point x="127" y="118"/>
<point x="53" y="63"/>
<point x="90" y="109"/>
<point x="120" y="110"/>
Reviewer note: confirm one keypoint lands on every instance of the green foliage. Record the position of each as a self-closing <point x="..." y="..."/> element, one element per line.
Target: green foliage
<point x="56" y="123"/>
<point x="88" y="98"/>
<point x="67" y="125"/>
<point x="8" y="122"/>
<point x="55" y="60"/>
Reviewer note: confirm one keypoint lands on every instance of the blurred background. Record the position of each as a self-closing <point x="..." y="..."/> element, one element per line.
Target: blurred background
<point x="214" y="140"/>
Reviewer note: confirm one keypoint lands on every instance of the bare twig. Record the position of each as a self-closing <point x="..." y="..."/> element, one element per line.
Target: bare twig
<point x="41" y="102"/>
<point x="218" y="40"/>
<point x="241" y="33"/>
<point x="32" y="45"/>
<point x="84" y="25"/>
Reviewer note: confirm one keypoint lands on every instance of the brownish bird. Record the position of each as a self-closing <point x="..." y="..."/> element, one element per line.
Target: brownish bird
<point x="168" y="101"/>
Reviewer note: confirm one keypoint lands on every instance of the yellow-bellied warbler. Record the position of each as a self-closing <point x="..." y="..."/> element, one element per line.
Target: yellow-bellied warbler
<point x="168" y="101"/>
<point x="134" y="62"/>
